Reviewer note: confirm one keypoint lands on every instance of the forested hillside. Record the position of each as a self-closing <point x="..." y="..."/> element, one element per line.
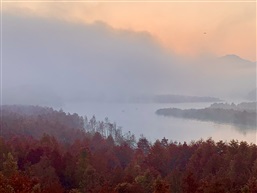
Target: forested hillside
<point x="43" y="150"/>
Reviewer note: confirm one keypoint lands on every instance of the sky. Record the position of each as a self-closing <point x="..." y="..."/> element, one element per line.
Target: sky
<point x="56" y="52"/>
<point x="188" y="28"/>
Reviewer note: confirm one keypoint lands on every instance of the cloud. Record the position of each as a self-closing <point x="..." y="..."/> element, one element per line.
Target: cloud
<point x="178" y="26"/>
<point x="75" y="61"/>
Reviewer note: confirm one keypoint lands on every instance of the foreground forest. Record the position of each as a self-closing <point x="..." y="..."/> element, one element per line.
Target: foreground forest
<point x="43" y="150"/>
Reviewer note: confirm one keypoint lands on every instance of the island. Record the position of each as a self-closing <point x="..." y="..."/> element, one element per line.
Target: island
<point x="243" y="114"/>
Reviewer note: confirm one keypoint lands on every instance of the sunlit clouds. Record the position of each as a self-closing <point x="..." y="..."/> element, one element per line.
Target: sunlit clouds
<point x="187" y="29"/>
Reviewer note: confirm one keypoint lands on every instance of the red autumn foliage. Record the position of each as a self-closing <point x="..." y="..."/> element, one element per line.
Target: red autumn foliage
<point x="43" y="150"/>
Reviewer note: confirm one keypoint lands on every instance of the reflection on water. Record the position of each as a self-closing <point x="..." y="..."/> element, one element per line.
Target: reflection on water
<point x="141" y="119"/>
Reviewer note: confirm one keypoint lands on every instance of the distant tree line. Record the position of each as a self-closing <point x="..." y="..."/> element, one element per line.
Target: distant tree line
<point x="244" y="106"/>
<point x="243" y="119"/>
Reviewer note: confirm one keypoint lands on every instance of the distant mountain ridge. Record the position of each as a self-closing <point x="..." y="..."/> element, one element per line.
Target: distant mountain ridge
<point x="170" y="98"/>
<point x="233" y="59"/>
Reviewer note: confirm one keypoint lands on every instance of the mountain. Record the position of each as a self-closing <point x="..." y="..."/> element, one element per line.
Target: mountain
<point x="183" y="99"/>
<point x="230" y="75"/>
<point x="169" y="98"/>
<point x="235" y="61"/>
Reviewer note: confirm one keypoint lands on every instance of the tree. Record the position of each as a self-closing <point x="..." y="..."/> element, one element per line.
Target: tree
<point x="143" y="145"/>
<point x="161" y="186"/>
<point x="189" y="182"/>
<point x="10" y="166"/>
<point x="47" y="175"/>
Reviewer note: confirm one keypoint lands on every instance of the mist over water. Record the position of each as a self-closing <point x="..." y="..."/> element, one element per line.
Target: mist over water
<point x="141" y="119"/>
<point x="94" y="69"/>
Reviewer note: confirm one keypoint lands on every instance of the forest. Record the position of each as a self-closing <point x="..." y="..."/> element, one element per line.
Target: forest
<point x="43" y="150"/>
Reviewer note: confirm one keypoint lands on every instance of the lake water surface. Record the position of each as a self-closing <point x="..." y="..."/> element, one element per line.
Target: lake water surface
<point x="141" y="119"/>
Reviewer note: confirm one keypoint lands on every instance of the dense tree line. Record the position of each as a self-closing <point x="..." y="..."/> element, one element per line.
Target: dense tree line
<point x="43" y="150"/>
<point x="243" y="119"/>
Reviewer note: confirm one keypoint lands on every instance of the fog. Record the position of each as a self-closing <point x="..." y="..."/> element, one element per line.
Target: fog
<point x="52" y="62"/>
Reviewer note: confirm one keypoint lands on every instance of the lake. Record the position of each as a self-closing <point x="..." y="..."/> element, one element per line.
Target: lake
<point x="141" y="119"/>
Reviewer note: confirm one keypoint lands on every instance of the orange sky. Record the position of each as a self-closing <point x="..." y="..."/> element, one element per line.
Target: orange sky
<point x="188" y="28"/>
